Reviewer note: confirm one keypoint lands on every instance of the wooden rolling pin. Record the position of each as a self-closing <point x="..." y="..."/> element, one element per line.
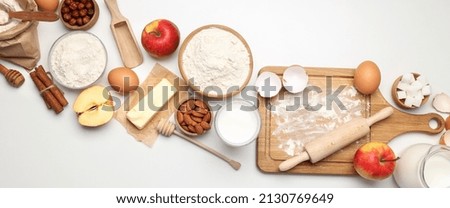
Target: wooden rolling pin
<point x="14" y="78"/>
<point x="337" y="139"/>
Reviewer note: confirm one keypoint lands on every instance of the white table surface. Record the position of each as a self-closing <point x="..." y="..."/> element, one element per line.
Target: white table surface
<point x="41" y="149"/>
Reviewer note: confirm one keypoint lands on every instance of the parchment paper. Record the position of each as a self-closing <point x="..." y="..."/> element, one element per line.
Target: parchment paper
<point x="148" y="135"/>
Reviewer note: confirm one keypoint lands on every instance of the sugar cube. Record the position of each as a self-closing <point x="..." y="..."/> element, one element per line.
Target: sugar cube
<point x="408" y="78"/>
<point x="422" y="79"/>
<point x="409" y="101"/>
<point x="402" y="86"/>
<point x="417" y="102"/>
<point x="411" y="91"/>
<point x="401" y="94"/>
<point x="419" y="95"/>
<point x="426" y="90"/>
<point x="416" y="85"/>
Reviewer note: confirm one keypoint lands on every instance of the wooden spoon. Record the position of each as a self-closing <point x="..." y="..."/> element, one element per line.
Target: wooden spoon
<point x="167" y="128"/>
<point x="29" y="15"/>
<point x="126" y="42"/>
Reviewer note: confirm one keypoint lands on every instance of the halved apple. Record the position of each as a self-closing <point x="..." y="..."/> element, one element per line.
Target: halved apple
<point x="94" y="106"/>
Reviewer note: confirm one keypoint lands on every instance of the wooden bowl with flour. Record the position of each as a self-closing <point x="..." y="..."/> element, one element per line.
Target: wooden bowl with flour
<point x="216" y="61"/>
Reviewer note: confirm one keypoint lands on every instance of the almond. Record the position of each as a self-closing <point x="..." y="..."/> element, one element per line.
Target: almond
<point x="200" y="104"/>
<point x="180" y="117"/>
<point x="197" y="114"/>
<point x="191" y="104"/>
<point x="185" y="128"/>
<point x="198" y="129"/>
<point x="202" y="111"/>
<point x="205" y="125"/>
<point x="207" y="117"/>
<point x="191" y="128"/>
<point x="196" y="119"/>
<point x="188" y="119"/>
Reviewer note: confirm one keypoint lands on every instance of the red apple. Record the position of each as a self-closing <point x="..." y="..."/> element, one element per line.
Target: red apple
<point x="160" y="38"/>
<point x="374" y="161"/>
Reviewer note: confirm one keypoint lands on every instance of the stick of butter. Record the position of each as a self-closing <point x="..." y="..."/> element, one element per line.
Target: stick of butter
<point x="151" y="103"/>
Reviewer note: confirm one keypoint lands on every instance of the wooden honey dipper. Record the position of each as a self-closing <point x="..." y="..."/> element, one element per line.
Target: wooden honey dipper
<point x="167" y="128"/>
<point x="14" y="77"/>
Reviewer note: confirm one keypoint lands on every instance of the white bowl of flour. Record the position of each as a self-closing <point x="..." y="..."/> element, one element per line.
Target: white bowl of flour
<point x="77" y="59"/>
<point x="216" y="61"/>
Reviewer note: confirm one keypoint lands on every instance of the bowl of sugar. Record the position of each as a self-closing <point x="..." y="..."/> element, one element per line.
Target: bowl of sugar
<point x="238" y="122"/>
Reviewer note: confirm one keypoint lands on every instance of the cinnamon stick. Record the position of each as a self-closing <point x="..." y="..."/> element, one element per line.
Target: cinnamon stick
<point x="43" y="76"/>
<point x="49" y="99"/>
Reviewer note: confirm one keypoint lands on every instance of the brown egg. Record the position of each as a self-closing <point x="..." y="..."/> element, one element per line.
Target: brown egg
<point x="367" y="78"/>
<point x="447" y="123"/>
<point x="47" y="5"/>
<point x="123" y="80"/>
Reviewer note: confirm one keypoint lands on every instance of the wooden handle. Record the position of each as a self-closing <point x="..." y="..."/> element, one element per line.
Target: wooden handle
<point x="293" y="161"/>
<point x="425" y="127"/>
<point x="234" y="164"/>
<point x="39" y="16"/>
<point x="380" y="115"/>
<point x="114" y="10"/>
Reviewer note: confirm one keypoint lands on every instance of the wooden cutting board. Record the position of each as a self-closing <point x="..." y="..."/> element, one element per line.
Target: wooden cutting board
<point x="270" y="155"/>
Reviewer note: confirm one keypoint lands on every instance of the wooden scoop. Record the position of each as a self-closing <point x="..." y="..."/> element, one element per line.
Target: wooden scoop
<point x="13" y="77"/>
<point x="167" y="128"/>
<point x="28" y="15"/>
<point x="123" y="34"/>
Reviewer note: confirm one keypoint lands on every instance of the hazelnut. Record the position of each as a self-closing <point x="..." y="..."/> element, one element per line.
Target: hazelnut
<point x="83" y="12"/>
<point x="72" y="21"/>
<point x="73" y="6"/>
<point x="86" y="19"/>
<point x="67" y="17"/>
<point x="80" y="6"/>
<point x="89" y="5"/>
<point x="75" y="14"/>
<point x="91" y="12"/>
<point x="79" y="21"/>
<point x="65" y="9"/>
<point x="67" y="2"/>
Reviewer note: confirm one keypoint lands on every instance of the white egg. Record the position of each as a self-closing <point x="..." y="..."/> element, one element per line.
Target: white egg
<point x="295" y="79"/>
<point x="268" y="84"/>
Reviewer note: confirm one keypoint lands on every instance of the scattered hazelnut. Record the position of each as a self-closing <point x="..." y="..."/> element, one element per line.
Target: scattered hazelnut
<point x="80" y="6"/>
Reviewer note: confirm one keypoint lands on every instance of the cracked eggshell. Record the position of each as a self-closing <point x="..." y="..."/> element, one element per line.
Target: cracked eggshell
<point x="445" y="139"/>
<point x="295" y="79"/>
<point x="268" y="84"/>
<point x="441" y="103"/>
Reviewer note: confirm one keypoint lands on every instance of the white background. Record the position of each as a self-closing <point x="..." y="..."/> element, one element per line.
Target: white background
<point x="41" y="149"/>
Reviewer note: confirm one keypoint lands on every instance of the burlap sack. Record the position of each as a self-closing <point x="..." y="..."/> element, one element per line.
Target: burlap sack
<point x="20" y="45"/>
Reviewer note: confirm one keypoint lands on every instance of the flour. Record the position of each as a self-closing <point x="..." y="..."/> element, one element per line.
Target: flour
<point x="295" y="128"/>
<point x="217" y="59"/>
<point x="4" y="17"/>
<point x="78" y="59"/>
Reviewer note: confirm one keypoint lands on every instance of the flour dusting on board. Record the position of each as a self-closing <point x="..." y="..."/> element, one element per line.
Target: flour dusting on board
<point x="296" y="126"/>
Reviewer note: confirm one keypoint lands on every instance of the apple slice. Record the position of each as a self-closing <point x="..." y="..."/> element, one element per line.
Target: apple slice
<point x="94" y="106"/>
